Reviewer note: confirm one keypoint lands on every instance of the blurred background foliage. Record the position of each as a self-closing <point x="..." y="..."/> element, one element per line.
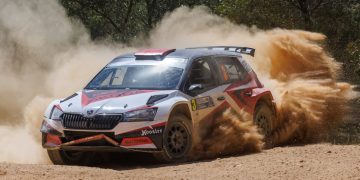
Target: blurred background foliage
<point x="339" y="20"/>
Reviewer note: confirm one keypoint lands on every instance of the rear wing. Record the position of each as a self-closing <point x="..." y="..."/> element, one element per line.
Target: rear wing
<point x="241" y="50"/>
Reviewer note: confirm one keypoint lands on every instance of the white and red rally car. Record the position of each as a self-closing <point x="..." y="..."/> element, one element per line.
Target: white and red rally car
<point x="147" y="101"/>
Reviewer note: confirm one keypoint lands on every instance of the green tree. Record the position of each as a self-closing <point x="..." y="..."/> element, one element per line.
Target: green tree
<point x="122" y="20"/>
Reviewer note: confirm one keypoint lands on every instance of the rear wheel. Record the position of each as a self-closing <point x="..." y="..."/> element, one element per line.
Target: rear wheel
<point x="177" y="140"/>
<point x="62" y="157"/>
<point x="263" y="118"/>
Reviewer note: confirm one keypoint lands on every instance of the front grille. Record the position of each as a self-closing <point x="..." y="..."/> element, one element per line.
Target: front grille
<point x="98" y="122"/>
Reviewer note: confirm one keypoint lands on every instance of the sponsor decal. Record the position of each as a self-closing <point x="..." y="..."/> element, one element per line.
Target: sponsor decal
<point x="201" y="103"/>
<point x="146" y="132"/>
<point x="158" y="125"/>
<point x="135" y="141"/>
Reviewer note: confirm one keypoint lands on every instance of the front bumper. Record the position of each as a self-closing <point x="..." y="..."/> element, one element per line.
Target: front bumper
<point x="147" y="139"/>
<point x="97" y="149"/>
<point x="53" y="142"/>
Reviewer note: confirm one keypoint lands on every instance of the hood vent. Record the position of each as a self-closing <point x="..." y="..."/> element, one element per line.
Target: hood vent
<point x="155" y="98"/>
<point x="74" y="95"/>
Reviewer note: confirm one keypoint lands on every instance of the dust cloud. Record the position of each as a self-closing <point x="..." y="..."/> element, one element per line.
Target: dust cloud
<point x="230" y="133"/>
<point x="44" y="55"/>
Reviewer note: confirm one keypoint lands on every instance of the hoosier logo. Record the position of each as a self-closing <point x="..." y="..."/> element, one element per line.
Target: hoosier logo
<point x="146" y="132"/>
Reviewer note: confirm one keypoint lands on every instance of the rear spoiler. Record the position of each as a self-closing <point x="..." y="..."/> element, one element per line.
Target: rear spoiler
<point x="241" y="50"/>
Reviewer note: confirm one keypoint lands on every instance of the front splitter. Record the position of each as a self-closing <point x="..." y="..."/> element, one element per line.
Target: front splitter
<point x="75" y="145"/>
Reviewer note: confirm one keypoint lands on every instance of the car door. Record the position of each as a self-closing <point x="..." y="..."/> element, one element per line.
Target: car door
<point x="235" y="81"/>
<point x="203" y="86"/>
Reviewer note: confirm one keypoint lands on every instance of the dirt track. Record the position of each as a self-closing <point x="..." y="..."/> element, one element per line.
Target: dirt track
<point x="321" y="161"/>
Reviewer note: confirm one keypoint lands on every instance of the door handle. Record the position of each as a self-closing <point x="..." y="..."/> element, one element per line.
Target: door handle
<point x="221" y="98"/>
<point x="248" y="93"/>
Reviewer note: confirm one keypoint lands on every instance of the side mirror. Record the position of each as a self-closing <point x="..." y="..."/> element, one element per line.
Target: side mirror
<point x="195" y="87"/>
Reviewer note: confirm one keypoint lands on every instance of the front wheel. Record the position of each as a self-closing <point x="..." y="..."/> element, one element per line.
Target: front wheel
<point x="177" y="140"/>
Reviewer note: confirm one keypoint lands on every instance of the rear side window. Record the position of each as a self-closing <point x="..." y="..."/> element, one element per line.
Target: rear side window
<point x="230" y="69"/>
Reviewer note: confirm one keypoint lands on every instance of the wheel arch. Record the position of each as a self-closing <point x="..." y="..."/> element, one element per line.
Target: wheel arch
<point x="181" y="108"/>
<point x="266" y="97"/>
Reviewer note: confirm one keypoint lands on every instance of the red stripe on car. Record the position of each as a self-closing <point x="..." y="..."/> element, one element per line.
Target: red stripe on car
<point x="94" y="96"/>
<point x="154" y="52"/>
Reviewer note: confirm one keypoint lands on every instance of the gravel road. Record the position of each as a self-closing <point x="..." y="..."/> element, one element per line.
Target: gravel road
<point x="319" y="161"/>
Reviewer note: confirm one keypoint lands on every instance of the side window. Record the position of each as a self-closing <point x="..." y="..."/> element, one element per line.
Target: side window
<point x="104" y="78"/>
<point x="230" y="69"/>
<point x="106" y="82"/>
<point x="118" y="77"/>
<point x="201" y="73"/>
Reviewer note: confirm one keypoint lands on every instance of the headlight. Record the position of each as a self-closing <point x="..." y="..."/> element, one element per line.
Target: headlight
<point x="48" y="129"/>
<point x="56" y="112"/>
<point x="140" y="115"/>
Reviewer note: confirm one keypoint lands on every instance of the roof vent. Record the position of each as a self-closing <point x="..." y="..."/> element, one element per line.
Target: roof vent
<point x="153" y="54"/>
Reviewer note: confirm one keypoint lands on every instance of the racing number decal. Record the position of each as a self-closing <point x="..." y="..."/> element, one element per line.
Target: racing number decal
<point x="193" y="104"/>
<point x="201" y="103"/>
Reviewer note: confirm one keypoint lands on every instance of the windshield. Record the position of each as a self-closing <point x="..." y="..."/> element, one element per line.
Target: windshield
<point x="137" y="77"/>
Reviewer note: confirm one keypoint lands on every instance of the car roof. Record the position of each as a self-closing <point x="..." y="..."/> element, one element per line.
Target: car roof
<point x="189" y="53"/>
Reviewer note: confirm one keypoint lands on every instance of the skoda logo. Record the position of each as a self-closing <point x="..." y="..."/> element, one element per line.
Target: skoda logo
<point x="89" y="112"/>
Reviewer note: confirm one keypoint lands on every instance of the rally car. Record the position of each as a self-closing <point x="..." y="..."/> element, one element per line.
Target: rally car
<point x="149" y="101"/>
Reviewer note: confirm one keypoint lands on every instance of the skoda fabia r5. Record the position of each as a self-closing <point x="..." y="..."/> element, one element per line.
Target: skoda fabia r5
<point x="148" y="101"/>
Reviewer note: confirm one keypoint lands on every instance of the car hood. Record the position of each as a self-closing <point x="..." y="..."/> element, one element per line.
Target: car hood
<point x="92" y="102"/>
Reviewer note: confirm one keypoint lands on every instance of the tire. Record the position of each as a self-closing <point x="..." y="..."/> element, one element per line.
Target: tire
<point x="61" y="157"/>
<point x="175" y="151"/>
<point x="264" y="118"/>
